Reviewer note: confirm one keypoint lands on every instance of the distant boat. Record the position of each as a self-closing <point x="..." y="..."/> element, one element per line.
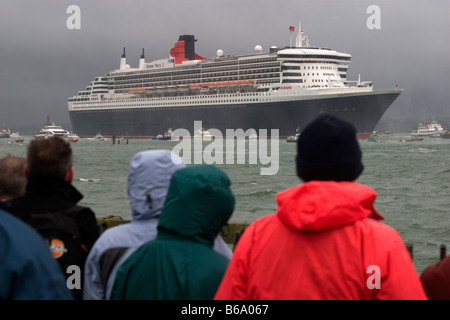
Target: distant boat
<point x="14" y="135"/>
<point x="73" y="137"/>
<point x="17" y="140"/>
<point x="4" y="134"/>
<point x="51" y="130"/>
<point x="204" y="134"/>
<point x="99" y="137"/>
<point x="253" y="134"/>
<point x="432" y="129"/>
<point x="295" y="137"/>
<point x="166" y="136"/>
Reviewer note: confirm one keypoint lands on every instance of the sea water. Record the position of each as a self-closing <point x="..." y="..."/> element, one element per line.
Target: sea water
<point x="411" y="180"/>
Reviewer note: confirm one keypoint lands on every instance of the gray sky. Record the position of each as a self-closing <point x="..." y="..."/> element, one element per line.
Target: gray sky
<point x="42" y="62"/>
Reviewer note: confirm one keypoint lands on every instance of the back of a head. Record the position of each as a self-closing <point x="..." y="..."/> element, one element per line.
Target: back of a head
<point x="198" y="204"/>
<point x="149" y="176"/>
<point x="12" y="179"/>
<point x="49" y="158"/>
<point x="328" y="150"/>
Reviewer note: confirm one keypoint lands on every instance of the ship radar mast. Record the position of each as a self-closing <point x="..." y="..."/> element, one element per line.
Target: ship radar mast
<point x="300" y="38"/>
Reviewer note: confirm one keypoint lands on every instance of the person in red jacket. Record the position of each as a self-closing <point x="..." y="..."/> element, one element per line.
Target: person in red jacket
<point x="325" y="242"/>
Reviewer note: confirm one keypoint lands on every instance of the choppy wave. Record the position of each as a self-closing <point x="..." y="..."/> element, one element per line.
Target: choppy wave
<point x="88" y="180"/>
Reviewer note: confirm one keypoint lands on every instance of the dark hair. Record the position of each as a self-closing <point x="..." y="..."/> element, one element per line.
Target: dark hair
<point x="12" y="179"/>
<point x="50" y="158"/>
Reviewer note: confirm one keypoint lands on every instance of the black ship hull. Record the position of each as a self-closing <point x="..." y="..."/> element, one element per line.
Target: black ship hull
<point x="364" y="110"/>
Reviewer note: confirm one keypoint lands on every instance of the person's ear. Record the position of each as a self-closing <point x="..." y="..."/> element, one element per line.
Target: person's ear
<point x="69" y="175"/>
<point x="25" y="171"/>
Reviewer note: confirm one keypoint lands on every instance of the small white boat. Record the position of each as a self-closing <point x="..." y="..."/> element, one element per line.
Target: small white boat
<point x="253" y="134"/>
<point x="166" y="136"/>
<point x="4" y="134"/>
<point x="73" y="137"/>
<point x="51" y="130"/>
<point x="432" y="129"/>
<point x="99" y="137"/>
<point x="204" y="134"/>
<point x="295" y="137"/>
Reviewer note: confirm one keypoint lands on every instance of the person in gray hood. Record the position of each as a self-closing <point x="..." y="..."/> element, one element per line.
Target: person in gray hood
<point x="149" y="176"/>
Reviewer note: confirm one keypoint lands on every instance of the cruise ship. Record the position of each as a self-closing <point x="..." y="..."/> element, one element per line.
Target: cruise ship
<point x="281" y="88"/>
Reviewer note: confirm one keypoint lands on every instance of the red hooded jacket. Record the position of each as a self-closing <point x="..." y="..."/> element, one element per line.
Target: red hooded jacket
<point x="324" y="242"/>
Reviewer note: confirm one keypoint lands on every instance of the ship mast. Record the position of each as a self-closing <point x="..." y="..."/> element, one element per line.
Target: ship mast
<point x="300" y="37"/>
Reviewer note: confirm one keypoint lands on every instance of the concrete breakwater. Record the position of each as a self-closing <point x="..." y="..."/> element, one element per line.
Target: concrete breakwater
<point x="230" y="232"/>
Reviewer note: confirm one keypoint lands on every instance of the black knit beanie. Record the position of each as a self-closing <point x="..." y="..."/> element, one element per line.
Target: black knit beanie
<point x="328" y="149"/>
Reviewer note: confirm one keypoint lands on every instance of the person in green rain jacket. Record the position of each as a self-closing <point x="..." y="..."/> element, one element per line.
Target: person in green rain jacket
<point x="180" y="264"/>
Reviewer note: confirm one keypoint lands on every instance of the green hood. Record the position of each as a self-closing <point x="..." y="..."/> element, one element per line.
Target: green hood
<point x="198" y="204"/>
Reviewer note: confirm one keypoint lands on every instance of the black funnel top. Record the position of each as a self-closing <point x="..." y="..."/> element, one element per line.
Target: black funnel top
<point x="189" y="46"/>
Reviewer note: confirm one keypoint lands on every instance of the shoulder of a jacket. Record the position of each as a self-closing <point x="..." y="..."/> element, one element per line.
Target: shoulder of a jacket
<point x="380" y="227"/>
<point x="263" y="222"/>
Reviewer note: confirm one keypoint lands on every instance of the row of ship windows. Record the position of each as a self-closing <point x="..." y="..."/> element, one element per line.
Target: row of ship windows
<point x="242" y="67"/>
<point x="241" y="61"/>
<point x="201" y="70"/>
<point x="172" y="103"/>
<point x="271" y="77"/>
<point x="194" y="70"/>
<point x="172" y="100"/>
<point x="308" y="56"/>
<point x="125" y="88"/>
<point x="308" y="68"/>
<point x="130" y="84"/>
<point x="117" y="88"/>
<point x="166" y="103"/>
<point x="193" y="76"/>
<point x="302" y="81"/>
<point x="303" y="63"/>
<point x="299" y="74"/>
<point x="252" y="96"/>
<point x="184" y="98"/>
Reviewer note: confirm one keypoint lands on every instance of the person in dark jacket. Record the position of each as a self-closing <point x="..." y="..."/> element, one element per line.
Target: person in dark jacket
<point x="49" y="188"/>
<point x="180" y="264"/>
